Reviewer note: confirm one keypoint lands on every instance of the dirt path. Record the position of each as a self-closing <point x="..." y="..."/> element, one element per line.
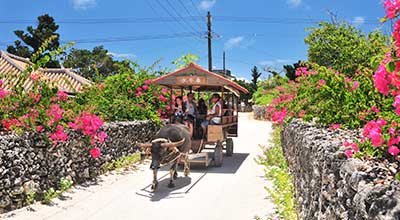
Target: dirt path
<point x="234" y="191"/>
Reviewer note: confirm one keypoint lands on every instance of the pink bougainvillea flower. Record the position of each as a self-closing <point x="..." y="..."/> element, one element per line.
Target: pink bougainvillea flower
<point x="147" y="81"/>
<point x="101" y="137"/>
<point x="381" y="81"/>
<point x="355" y="147"/>
<point x="396" y="105"/>
<point x="301" y="114"/>
<point x="3" y="93"/>
<point x="393" y="150"/>
<point x="355" y="86"/>
<point x="376" y="138"/>
<point x="392" y="7"/>
<point x="381" y="122"/>
<point x="34" y="76"/>
<point x="73" y="125"/>
<point x="95" y="152"/>
<point x="39" y="128"/>
<point x="375" y="109"/>
<point x="335" y="126"/>
<point x="128" y="78"/>
<point x="58" y="135"/>
<point x="1" y="82"/>
<point x="349" y="153"/>
<point x="138" y="94"/>
<point x="164" y="90"/>
<point x="139" y="89"/>
<point x="162" y="98"/>
<point x="55" y="114"/>
<point x="145" y="87"/>
<point x="279" y="116"/>
<point x="62" y="95"/>
<point x="6" y="124"/>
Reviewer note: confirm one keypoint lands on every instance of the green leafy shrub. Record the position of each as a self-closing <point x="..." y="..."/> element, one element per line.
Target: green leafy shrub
<point x="49" y="195"/>
<point x="126" y="96"/>
<point x="276" y="170"/>
<point x="65" y="184"/>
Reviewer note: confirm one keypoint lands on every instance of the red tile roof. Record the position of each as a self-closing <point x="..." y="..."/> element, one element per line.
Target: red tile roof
<point x="65" y="79"/>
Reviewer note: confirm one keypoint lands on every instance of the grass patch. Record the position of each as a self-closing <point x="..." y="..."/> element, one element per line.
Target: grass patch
<point x="276" y="170"/>
<point x="122" y="162"/>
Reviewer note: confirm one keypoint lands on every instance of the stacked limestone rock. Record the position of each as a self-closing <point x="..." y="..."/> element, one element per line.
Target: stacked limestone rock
<point x="28" y="162"/>
<point x="330" y="186"/>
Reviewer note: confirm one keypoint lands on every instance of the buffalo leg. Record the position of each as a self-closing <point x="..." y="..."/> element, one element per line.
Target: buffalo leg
<point x="172" y="173"/>
<point x="186" y="169"/>
<point x="155" y="182"/>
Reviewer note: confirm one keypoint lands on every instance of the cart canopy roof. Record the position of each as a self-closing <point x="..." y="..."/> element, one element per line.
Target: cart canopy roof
<point x="200" y="79"/>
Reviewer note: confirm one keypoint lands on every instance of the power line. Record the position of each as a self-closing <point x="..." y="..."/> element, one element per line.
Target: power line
<point x="182" y="19"/>
<point x="171" y="27"/>
<point x="197" y="10"/>
<point x="122" y="39"/>
<point x="171" y="15"/>
<point x="190" y="14"/>
<point x="177" y="19"/>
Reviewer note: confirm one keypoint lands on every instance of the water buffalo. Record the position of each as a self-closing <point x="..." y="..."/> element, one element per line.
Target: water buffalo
<point x="171" y="144"/>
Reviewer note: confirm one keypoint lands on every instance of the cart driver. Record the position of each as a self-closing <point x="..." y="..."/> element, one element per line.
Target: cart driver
<point x="214" y="116"/>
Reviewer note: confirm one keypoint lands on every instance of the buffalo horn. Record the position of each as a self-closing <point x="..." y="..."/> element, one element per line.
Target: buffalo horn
<point x="144" y="145"/>
<point x="173" y="144"/>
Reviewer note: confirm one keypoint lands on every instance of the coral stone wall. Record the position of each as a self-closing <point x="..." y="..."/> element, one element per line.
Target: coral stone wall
<point x="329" y="186"/>
<point x="29" y="163"/>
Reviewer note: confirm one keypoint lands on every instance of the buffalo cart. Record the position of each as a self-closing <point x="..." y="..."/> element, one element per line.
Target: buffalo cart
<point x="195" y="79"/>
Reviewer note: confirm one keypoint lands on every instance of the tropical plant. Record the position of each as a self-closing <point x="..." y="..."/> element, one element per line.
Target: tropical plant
<point x="343" y="47"/>
<point x="33" y="40"/>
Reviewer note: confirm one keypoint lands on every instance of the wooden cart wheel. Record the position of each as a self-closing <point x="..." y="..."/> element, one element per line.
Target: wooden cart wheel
<point x="218" y="155"/>
<point x="229" y="147"/>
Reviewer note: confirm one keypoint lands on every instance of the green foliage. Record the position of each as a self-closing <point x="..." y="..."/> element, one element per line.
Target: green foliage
<point x="49" y="195"/>
<point x="122" y="162"/>
<point x="185" y="60"/>
<point x="34" y="39"/>
<point x="276" y="170"/>
<point x="290" y="70"/>
<point x="255" y="74"/>
<point x="30" y="197"/>
<point x="343" y="47"/>
<point x="336" y="101"/>
<point x="65" y="184"/>
<point x="246" y="85"/>
<point x="94" y="65"/>
<point x="122" y="97"/>
<point x="266" y="90"/>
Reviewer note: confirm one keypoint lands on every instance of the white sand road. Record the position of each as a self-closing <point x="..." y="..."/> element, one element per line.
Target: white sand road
<point x="233" y="191"/>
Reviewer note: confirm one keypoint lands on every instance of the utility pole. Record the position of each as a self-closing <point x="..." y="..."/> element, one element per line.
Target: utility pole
<point x="209" y="36"/>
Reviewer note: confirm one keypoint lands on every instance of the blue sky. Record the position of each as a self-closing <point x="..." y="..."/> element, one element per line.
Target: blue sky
<point x="257" y="42"/>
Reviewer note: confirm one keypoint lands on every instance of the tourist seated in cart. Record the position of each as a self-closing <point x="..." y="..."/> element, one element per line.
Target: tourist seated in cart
<point x="214" y="116"/>
<point x="190" y="112"/>
<point x="179" y="110"/>
<point x="201" y="111"/>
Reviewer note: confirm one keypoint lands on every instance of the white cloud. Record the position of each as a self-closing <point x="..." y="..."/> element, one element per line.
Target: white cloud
<point x="276" y="62"/>
<point x="233" y="42"/>
<point x="358" y="21"/>
<point x="244" y="79"/>
<point x="83" y="4"/>
<point x="122" y="55"/>
<point x="294" y="3"/>
<point x="207" y="4"/>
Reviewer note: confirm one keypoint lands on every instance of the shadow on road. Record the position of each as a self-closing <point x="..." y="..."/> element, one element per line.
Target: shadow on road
<point x="163" y="192"/>
<point x="230" y="165"/>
